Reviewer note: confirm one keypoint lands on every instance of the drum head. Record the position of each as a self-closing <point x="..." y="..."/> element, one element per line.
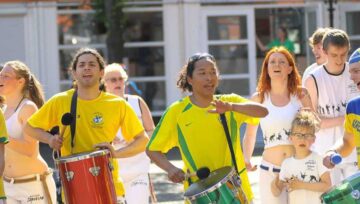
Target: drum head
<point x="215" y="179"/>
<point x="82" y="156"/>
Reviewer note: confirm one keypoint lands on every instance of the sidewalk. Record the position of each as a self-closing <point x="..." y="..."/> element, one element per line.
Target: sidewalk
<point x="171" y="193"/>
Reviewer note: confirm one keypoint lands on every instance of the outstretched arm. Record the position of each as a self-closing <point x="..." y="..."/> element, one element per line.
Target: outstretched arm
<point x="249" y="108"/>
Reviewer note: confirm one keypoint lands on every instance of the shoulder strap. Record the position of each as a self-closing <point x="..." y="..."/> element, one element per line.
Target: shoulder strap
<point x="316" y="85"/>
<point x="228" y="138"/>
<point x="73" y="113"/>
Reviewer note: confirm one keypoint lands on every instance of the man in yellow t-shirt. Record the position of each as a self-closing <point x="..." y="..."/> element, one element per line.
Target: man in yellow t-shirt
<point x="193" y="124"/>
<point x="99" y="116"/>
<point x="3" y="141"/>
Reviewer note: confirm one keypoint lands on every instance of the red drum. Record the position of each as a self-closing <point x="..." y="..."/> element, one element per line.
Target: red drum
<point x="86" y="178"/>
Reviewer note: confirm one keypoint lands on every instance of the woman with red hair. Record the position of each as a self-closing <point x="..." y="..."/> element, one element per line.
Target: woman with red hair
<point x="279" y="89"/>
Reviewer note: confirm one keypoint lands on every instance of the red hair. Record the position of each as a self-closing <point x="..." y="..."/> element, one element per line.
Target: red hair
<point x="294" y="78"/>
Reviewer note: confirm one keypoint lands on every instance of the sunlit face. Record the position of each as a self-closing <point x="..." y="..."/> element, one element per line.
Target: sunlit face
<point x="87" y="73"/>
<point x="9" y="82"/>
<point x="115" y="82"/>
<point x="278" y="66"/>
<point x="336" y="56"/>
<point x="319" y="54"/>
<point x="355" y="73"/>
<point x="205" y="78"/>
<point x="302" y="137"/>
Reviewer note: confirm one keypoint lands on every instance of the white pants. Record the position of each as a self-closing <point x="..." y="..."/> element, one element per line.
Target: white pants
<point x="30" y="192"/>
<point x="137" y="190"/>
<point x="266" y="177"/>
<point x="342" y="171"/>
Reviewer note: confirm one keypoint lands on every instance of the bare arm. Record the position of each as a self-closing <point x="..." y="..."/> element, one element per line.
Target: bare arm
<point x="26" y="145"/>
<point x="325" y="122"/>
<point x="135" y="147"/>
<point x="260" y="44"/>
<point x="323" y="185"/>
<point x="41" y="135"/>
<point x="249" y="108"/>
<point x="344" y="149"/>
<point x="147" y="119"/>
<point x="249" y="141"/>
<point x="175" y="174"/>
<point x="277" y="186"/>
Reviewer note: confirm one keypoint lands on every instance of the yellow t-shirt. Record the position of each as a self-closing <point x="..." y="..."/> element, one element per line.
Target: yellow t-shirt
<point x="352" y="123"/>
<point x="201" y="138"/>
<point x="3" y="140"/>
<point x="97" y="121"/>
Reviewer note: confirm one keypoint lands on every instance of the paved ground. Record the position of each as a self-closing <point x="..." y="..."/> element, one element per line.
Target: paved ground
<point x="167" y="192"/>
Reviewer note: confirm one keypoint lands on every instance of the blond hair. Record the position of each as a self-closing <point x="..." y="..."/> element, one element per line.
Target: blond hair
<point x="306" y="119"/>
<point x="116" y="67"/>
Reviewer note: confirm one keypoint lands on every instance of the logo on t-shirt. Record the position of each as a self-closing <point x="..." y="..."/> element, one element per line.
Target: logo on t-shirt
<point x="356" y="125"/>
<point x="97" y="120"/>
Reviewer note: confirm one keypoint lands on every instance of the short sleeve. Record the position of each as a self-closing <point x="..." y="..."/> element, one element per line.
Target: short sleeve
<point x="164" y="137"/>
<point x="283" y="175"/>
<point x="45" y="117"/>
<point x="130" y="123"/>
<point x="3" y="131"/>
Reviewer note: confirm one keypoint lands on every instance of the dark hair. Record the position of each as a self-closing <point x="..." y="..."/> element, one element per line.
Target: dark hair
<point x="188" y="70"/>
<point x="32" y="87"/>
<point x="335" y="37"/>
<point x="83" y="51"/>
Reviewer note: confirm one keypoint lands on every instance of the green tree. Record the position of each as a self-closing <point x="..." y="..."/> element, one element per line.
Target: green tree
<point x="110" y="12"/>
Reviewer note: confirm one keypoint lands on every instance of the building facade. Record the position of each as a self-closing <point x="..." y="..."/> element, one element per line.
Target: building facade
<point x="161" y="35"/>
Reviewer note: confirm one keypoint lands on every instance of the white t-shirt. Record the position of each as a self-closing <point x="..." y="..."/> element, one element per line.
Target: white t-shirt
<point x="309" y="169"/>
<point x="308" y="71"/>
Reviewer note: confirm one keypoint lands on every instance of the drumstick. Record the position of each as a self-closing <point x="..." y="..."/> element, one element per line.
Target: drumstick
<point x="66" y="120"/>
<point x="201" y="173"/>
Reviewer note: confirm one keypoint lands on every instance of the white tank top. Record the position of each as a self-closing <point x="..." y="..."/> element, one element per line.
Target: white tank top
<point x="131" y="167"/>
<point x="14" y="128"/>
<point x="276" y="126"/>
<point x="334" y="91"/>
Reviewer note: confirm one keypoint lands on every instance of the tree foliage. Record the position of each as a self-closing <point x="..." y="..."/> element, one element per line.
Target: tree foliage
<point x="111" y="14"/>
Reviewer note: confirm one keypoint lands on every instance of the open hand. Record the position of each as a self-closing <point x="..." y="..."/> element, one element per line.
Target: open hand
<point x="220" y="107"/>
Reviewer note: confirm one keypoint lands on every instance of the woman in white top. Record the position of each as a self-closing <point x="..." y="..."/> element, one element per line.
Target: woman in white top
<point x="133" y="170"/>
<point x="279" y="89"/>
<point x="27" y="177"/>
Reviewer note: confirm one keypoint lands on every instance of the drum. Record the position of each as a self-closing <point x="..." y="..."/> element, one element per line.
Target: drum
<point x="347" y="192"/>
<point x="223" y="186"/>
<point x="86" y="178"/>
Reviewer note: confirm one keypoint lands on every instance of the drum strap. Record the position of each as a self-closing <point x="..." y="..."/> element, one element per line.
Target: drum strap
<point x="73" y="113"/>
<point x="228" y="138"/>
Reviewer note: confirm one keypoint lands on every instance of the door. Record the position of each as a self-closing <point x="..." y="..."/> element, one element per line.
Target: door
<point x="229" y="35"/>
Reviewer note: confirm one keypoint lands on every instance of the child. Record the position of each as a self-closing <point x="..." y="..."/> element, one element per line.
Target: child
<point x="303" y="174"/>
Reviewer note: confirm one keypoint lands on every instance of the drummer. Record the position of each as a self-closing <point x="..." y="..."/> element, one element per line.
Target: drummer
<point x="193" y="124"/>
<point x="351" y="137"/>
<point x="99" y="115"/>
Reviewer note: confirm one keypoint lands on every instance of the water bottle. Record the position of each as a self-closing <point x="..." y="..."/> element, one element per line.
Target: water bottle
<point x="335" y="158"/>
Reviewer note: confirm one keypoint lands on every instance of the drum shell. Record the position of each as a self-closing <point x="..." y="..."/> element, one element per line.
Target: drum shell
<point x="221" y="187"/>
<point x="348" y="191"/>
<point x="84" y="187"/>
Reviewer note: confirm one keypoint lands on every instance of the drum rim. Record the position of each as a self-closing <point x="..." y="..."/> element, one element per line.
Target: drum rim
<point x="81" y="156"/>
<point x="214" y="187"/>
